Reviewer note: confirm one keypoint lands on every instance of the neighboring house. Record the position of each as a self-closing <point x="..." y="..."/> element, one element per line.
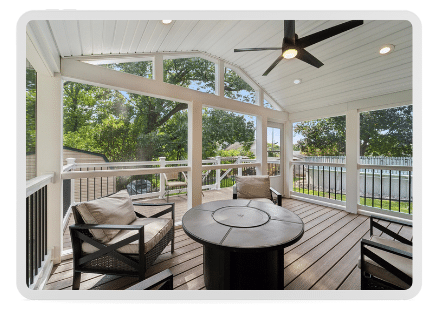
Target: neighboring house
<point x="96" y="187"/>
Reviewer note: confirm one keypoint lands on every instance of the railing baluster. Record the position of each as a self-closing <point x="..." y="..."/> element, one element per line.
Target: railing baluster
<point x="390" y="189"/>
<point x="313" y="180"/>
<point x="34" y="235"/>
<point x="381" y="189"/>
<point x="336" y="174"/>
<point x="318" y="180"/>
<point x="101" y="183"/>
<point x="399" y="190"/>
<point x="372" y="194"/>
<point x="308" y="179"/>
<point x="409" y="193"/>
<point x="28" y="271"/>
<point x="323" y="182"/>
<point x="365" y="188"/>
<point x="39" y="237"/>
<point x="342" y="170"/>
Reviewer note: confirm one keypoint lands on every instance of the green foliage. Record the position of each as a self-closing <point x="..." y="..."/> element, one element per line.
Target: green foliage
<point x="126" y="126"/>
<point x="30" y="109"/>
<point x="322" y="137"/>
<point x="236" y="88"/>
<point x="236" y="152"/>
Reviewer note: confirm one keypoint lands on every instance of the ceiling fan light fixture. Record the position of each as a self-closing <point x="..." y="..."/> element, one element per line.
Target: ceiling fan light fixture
<point x="297" y="81"/>
<point x="166" y="21"/>
<point x="290" y="53"/>
<point x="386" y="49"/>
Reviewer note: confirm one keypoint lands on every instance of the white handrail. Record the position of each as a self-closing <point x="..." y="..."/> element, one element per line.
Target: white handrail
<point x="386" y="167"/>
<point x="223" y="166"/>
<point x="124" y="172"/>
<point x="116" y="164"/>
<point x="318" y="164"/>
<point x="35" y="184"/>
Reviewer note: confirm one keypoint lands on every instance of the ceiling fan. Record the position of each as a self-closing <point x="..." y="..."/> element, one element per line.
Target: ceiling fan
<point x="293" y="47"/>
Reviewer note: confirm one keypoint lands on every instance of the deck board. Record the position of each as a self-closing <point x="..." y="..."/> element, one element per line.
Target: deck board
<point x="324" y="259"/>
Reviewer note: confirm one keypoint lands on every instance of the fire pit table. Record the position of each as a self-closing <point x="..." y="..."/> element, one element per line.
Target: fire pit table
<point x="243" y="242"/>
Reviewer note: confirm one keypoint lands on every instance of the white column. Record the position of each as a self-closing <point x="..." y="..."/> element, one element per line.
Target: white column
<point x="352" y="159"/>
<point x="219" y="78"/>
<point x="288" y="157"/>
<point x="194" y="134"/>
<point x="49" y="154"/>
<point x="239" y="161"/>
<point x="261" y="145"/>
<point x="158" y="67"/>
<point x="162" y="179"/>
<point x="259" y="98"/>
<point x="218" y="174"/>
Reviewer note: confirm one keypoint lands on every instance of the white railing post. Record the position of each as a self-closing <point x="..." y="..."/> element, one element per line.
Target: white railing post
<point x="261" y="145"/>
<point x="218" y="173"/>
<point x="162" y="179"/>
<point x="352" y="159"/>
<point x="71" y="161"/>
<point x="239" y="161"/>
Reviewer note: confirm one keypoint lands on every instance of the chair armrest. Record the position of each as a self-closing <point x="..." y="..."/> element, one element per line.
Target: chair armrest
<point x="105" y="226"/>
<point x="366" y="242"/>
<point x="279" y="196"/>
<point x="165" y="277"/>
<point x="386" y="219"/>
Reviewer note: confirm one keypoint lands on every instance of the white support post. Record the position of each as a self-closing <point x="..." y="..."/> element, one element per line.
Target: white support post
<point x="261" y="145"/>
<point x="71" y="161"/>
<point x="49" y="154"/>
<point x="219" y="78"/>
<point x="162" y="179"/>
<point x="352" y="159"/>
<point x="288" y="157"/>
<point x="194" y="145"/>
<point x="158" y="72"/>
<point x="218" y="173"/>
<point x="239" y="161"/>
<point x="260" y="98"/>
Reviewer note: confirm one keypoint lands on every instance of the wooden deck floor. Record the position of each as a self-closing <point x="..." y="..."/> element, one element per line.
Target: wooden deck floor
<point x="324" y="259"/>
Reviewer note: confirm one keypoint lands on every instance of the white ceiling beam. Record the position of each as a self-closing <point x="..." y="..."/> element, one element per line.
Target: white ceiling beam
<point x="103" y="77"/>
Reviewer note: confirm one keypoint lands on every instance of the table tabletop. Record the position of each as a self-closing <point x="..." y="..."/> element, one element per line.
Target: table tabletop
<point x="242" y="225"/>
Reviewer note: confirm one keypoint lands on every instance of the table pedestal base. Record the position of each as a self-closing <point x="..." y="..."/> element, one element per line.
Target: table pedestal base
<point x="225" y="270"/>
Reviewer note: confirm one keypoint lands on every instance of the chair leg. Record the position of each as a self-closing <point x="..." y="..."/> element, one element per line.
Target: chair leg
<point x="76" y="280"/>
<point x="172" y="245"/>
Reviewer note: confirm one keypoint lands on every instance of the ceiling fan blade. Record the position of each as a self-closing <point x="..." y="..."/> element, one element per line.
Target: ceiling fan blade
<point x="273" y="65"/>
<point x="255" y="49"/>
<point x="327" y="33"/>
<point x="305" y="56"/>
<point x="289" y="30"/>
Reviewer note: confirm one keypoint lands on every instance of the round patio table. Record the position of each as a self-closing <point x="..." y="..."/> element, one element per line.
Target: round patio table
<point x="243" y="242"/>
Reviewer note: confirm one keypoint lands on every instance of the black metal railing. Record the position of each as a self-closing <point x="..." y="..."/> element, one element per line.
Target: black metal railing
<point x="387" y="189"/>
<point x="321" y="181"/>
<point x="36" y="233"/>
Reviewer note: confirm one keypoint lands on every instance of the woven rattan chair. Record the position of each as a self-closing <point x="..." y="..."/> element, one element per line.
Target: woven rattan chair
<point x="91" y="255"/>
<point x="385" y="263"/>
<point x="257" y="188"/>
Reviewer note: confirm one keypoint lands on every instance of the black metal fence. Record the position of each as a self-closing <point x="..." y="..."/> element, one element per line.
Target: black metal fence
<point x="36" y="233"/>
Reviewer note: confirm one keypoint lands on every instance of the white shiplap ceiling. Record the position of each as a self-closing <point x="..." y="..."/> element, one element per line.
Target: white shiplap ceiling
<point x="353" y="69"/>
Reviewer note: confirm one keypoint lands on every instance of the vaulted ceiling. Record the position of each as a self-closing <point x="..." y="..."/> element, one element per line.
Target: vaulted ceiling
<point x="353" y="68"/>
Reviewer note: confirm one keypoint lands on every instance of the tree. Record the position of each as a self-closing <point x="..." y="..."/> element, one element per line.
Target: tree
<point x="30" y="109"/>
<point x="382" y="133"/>
<point x="156" y="125"/>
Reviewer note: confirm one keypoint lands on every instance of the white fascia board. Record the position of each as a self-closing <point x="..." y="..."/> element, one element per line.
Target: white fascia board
<point x="369" y="104"/>
<point x="99" y="76"/>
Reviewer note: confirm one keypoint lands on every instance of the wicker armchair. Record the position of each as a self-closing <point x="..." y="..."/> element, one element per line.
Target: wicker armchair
<point x="128" y="253"/>
<point x="256" y="188"/>
<point x="385" y="263"/>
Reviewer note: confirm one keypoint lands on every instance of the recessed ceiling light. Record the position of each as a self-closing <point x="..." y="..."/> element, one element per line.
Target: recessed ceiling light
<point x="297" y="81"/>
<point x="386" y="49"/>
<point x="166" y="21"/>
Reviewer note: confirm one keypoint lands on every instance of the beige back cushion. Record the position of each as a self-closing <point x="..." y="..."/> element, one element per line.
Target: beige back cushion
<point x="116" y="209"/>
<point x="253" y="187"/>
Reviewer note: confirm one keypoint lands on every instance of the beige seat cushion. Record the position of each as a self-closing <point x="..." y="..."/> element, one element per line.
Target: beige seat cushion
<point x="249" y="187"/>
<point x="176" y="184"/>
<point x="116" y="209"/>
<point x="263" y="200"/>
<point x="155" y="229"/>
<point x="403" y="264"/>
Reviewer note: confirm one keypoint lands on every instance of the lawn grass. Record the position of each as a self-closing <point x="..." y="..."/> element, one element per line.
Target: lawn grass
<point x="384" y="205"/>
